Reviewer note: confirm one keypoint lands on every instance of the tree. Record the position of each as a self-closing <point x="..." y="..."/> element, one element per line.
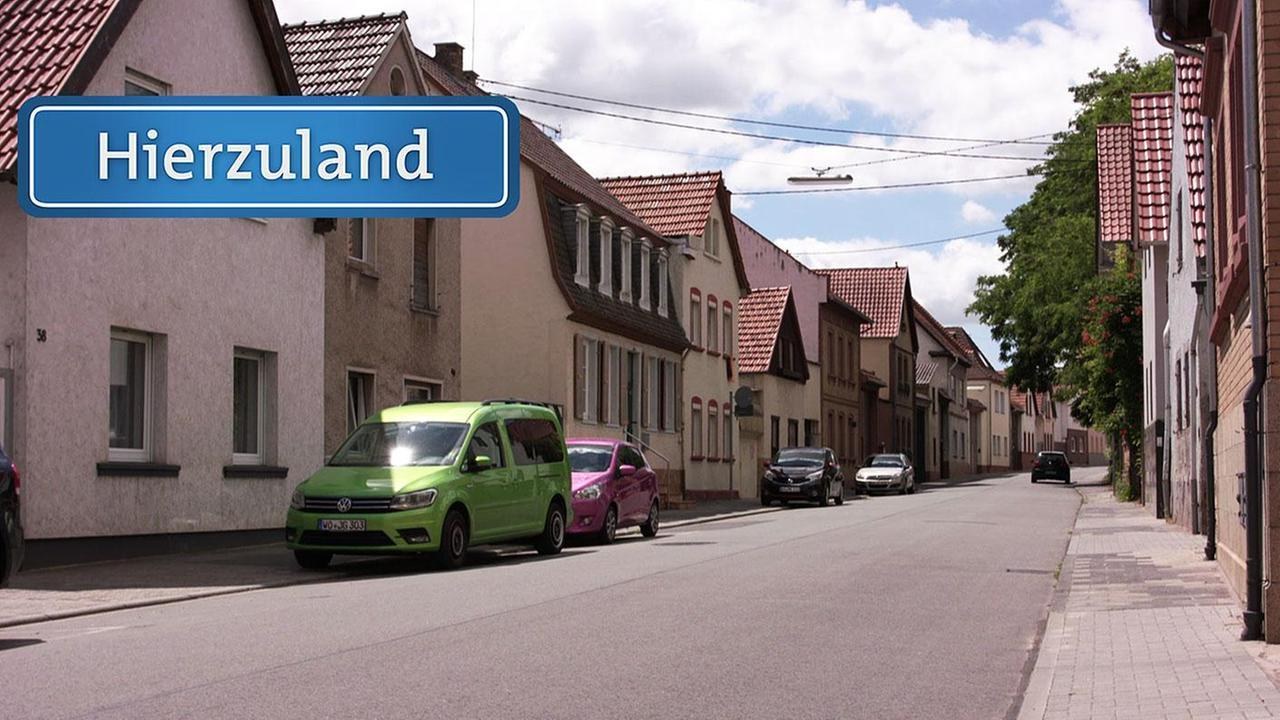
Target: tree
<point x="1039" y="307"/>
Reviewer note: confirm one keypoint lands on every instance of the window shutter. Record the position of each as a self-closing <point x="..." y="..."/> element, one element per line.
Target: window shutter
<point x="606" y="352"/>
<point x="579" y="377"/>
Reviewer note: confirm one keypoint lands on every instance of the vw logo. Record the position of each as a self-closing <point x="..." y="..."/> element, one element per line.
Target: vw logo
<point x="344" y="504"/>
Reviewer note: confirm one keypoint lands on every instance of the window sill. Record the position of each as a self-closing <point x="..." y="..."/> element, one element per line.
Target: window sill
<point x="255" y="471"/>
<point x="422" y="310"/>
<point x="137" y="469"/>
<point x="697" y="458"/>
<point x="362" y="267"/>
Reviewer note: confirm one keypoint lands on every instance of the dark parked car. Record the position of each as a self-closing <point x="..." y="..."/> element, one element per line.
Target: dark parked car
<point x="810" y="474"/>
<point x="1051" y="466"/>
<point x="10" y="519"/>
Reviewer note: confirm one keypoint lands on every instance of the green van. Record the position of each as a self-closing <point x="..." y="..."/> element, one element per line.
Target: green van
<point x="435" y="478"/>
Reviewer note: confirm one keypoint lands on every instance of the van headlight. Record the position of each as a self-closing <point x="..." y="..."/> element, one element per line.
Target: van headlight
<point x="413" y="500"/>
<point x="298" y="501"/>
<point x="590" y="492"/>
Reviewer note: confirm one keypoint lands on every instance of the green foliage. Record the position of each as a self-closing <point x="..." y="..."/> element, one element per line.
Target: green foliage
<point x="1050" y="300"/>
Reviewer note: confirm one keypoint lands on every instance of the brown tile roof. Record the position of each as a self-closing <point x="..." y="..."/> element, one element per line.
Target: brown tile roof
<point x="675" y="205"/>
<point x="930" y="324"/>
<point x="981" y="369"/>
<point x="870" y="378"/>
<point x="759" y="321"/>
<point x="336" y="57"/>
<point x="445" y="79"/>
<point x="1152" y="164"/>
<point x="1115" y="183"/>
<point x="1190" y="76"/>
<point x="1017" y="400"/>
<point x="877" y="292"/>
<point x="41" y="41"/>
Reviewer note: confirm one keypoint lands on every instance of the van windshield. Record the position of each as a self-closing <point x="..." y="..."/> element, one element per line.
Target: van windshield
<point x="402" y="443"/>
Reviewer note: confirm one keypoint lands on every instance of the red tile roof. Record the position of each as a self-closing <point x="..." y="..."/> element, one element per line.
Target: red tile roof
<point x="759" y="321"/>
<point x="41" y="41"/>
<point x="1017" y="399"/>
<point x="877" y="292"/>
<point x="675" y="205"/>
<point x="337" y="57"/>
<point x="981" y="369"/>
<point x="1152" y="164"/>
<point x="930" y="324"/>
<point x="1115" y="183"/>
<point x="1190" y="75"/>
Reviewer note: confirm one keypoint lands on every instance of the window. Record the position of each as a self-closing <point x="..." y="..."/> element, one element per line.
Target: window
<point x="582" y="224"/>
<point x="416" y="390"/>
<point x="246" y="408"/>
<point x="663" y="283"/>
<point x="487" y="442"/>
<point x="635" y="382"/>
<point x="362" y="242"/>
<point x="534" y="441"/>
<point x="624" y="290"/>
<point x="653" y="382"/>
<point x="726" y="450"/>
<point x="614" y="416"/>
<point x="669" y="370"/>
<point x="424" y="296"/>
<point x="695" y="318"/>
<point x="138" y="84"/>
<point x="129" y="423"/>
<point x="963" y="446"/>
<point x="727" y="329"/>
<point x="695" y="428"/>
<point x="397" y="81"/>
<point x="811" y="433"/>
<point x="606" y="256"/>
<point x="773" y="436"/>
<point x="793" y="433"/>
<point x="713" y="430"/>
<point x="712" y="240"/>
<point x="359" y="397"/>
<point x="589" y="392"/>
<point x="713" y="332"/>
<point x="646" y="249"/>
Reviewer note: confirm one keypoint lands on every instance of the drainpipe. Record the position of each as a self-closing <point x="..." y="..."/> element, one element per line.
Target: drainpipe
<point x="1252" y="437"/>
<point x="1207" y="366"/>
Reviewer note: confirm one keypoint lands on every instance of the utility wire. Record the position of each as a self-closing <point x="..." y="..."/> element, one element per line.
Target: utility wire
<point x="1029" y="140"/>
<point x="779" y="138"/>
<point x="897" y="186"/>
<point x="898" y="247"/>
<point x="729" y="158"/>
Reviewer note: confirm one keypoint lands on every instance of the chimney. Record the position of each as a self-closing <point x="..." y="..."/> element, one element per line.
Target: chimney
<point x="449" y="55"/>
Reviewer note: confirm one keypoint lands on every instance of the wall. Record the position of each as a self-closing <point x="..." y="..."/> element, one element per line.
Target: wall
<point x="1155" y="313"/>
<point x="841" y="387"/>
<point x="206" y="285"/>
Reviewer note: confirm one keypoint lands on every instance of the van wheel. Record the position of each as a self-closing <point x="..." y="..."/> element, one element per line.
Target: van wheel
<point x="312" y="559"/>
<point x="453" y="541"/>
<point x="551" y="540"/>
<point x="609" y="528"/>
<point x="650" y="526"/>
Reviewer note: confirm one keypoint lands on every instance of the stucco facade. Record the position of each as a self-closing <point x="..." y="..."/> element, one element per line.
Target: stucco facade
<point x="193" y="293"/>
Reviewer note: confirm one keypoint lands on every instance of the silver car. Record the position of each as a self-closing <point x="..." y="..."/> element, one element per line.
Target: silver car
<point x="887" y="471"/>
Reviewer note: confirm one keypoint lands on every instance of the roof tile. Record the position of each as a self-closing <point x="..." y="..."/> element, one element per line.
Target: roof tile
<point x="1190" y="76"/>
<point x="1115" y="183"/>
<point x="1152" y="164"/>
<point x="759" y="321"/>
<point x="877" y="292"/>
<point x="336" y="57"/>
<point x="675" y="205"/>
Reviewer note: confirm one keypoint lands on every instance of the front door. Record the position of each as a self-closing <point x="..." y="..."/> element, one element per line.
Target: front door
<point x="489" y="490"/>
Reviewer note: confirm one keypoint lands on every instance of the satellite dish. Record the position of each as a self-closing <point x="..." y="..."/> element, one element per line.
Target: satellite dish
<point x="742" y="402"/>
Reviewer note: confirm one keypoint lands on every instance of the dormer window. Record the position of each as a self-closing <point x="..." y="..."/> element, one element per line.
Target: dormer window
<point x="646" y="251"/>
<point x="711" y="243"/>
<point x="662" y="283"/>
<point x="581" y="215"/>
<point x="606" y="256"/>
<point x="624" y="290"/>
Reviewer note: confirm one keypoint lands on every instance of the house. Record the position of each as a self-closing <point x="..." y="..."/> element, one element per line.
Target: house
<point x="832" y="332"/>
<point x="775" y="370"/>
<point x="176" y="386"/>
<point x="888" y="354"/>
<point x="1018" y="439"/>
<point x="692" y="213"/>
<point x="987" y="386"/>
<point x="568" y="300"/>
<point x="942" y="415"/>
<point x="392" y="315"/>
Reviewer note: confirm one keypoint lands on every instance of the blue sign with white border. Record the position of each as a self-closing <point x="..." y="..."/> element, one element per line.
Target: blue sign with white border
<point x="269" y="156"/>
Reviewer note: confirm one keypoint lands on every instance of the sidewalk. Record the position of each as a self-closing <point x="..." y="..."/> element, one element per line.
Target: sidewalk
<point x="72" y="590"/>
<point x="1142" y="627"/>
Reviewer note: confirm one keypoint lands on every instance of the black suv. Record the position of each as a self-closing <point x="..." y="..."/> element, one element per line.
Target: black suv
<point x="810" y="474"/>
<point x="10" y="519"/>
<point x="1051" y="465"/>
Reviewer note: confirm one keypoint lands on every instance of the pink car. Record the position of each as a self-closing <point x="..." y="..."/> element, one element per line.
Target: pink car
<point x="613" y="487"/>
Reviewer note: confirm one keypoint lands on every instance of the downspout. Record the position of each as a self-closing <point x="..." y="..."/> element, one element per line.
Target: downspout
<point x="1208" y="364"/>
<point x="1253" y="613"/>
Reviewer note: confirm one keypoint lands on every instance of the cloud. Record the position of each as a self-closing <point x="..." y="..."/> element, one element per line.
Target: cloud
<point x="833" y="62"/>
<point x="973" y="212"/>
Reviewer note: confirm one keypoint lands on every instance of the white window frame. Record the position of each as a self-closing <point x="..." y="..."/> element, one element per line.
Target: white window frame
<point x="653" y="382"/>
<point x="669" y="396"/>
<point x="582" y="220"/>
<point x="615" y="386"/>
<point x="591" y="361"/>
<point x="726" y="421"/>
<point x="726" y="328"/>
<point x="713" y="430"/>
<point x="143" y="454"/>
<point x="695" y="318"/>
<point x="695" y="428"/>
<point x="711" y="241"/>
<point x="646" y="249"/>
<point x="712" y="329"/>
<point x="664" y="283"/>
<point x="624" y="292"/>
<point x="354" y="422"/>
<point x="435" y="386"/>
<point x="146" y="82"/>
<point x="606" y="256"/>
<point x="368" y="240"/>
<point x="257" y="458"/>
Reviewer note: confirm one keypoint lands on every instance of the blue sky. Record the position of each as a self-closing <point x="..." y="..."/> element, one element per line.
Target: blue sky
<point x="989" y="69"/>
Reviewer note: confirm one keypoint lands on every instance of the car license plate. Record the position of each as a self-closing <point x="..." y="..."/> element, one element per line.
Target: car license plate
<point x="342" y="525"/>
<point x="789" y="488"/>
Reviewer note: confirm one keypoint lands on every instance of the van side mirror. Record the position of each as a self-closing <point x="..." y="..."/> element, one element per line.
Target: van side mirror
<point x="480" y="463"/>
<point x="626" y="470"/>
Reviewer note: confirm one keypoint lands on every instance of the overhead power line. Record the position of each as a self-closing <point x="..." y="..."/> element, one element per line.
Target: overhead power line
<point x="899" y="247"/>
<point x="778" y="138"/>
<point x="895" y="186"/>
<point x="1029" y="140"/>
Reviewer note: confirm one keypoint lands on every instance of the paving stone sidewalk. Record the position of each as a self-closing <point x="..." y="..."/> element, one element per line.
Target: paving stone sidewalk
<point x="1143" y="628"/>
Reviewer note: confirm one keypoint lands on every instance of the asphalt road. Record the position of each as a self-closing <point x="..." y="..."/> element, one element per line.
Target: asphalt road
<point x="920" y="606"/>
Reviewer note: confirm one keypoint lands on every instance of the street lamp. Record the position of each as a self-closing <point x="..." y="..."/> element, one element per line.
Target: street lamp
<point x="820" y="177"/>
